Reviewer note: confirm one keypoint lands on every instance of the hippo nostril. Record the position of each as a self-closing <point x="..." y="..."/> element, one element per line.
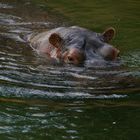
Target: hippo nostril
<point x="70" y="58"/>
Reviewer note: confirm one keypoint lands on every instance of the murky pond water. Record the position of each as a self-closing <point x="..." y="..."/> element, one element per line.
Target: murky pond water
<point x="47" y="101"/>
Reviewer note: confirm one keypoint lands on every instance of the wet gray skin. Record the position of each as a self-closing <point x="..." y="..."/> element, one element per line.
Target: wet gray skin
<point x="91" y="46"/>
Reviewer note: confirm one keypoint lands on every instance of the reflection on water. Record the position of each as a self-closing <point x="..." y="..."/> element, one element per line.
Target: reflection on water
<point x="41" y="100"/>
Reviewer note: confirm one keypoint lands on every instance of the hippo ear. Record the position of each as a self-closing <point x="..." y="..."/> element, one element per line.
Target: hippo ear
<point x="55" y="40"/>
<point x="109" y="34"/>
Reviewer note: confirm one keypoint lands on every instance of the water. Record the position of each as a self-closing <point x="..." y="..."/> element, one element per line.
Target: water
<point x="47" y="101"/>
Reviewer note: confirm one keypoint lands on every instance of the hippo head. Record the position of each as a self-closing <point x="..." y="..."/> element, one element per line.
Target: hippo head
<point x="91" y="46"/>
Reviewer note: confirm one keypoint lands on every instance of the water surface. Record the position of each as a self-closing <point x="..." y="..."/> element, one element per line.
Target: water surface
<point x="40" y="100"/>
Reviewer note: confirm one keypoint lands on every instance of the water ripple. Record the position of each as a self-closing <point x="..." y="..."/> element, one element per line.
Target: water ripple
<point x="22" y="74"/>
<point x="5" y="6"/>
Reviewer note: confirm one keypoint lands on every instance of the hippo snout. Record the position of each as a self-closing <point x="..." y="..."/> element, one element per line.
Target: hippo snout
<point x="109" y="52"/>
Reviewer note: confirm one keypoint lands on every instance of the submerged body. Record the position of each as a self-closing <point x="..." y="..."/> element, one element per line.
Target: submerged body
<point x="75" y="45"/>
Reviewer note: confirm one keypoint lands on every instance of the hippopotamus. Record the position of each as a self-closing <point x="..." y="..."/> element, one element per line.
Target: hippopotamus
<point x="75" y="45"/>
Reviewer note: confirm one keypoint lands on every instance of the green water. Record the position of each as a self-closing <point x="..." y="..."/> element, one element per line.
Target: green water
<point x="50" y="102"/>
